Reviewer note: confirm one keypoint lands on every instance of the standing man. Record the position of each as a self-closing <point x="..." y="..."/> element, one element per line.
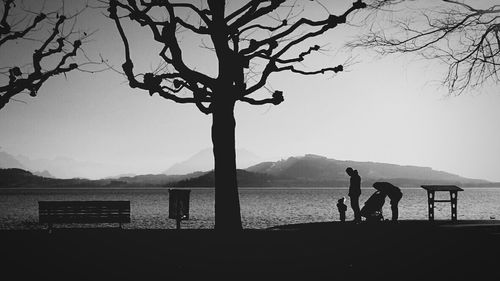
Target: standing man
<point x="394" y="193"/>
<point x="354" y="192"/>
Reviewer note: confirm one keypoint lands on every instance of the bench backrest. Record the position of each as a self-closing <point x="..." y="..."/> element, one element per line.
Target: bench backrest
<point x="84" y="211"/>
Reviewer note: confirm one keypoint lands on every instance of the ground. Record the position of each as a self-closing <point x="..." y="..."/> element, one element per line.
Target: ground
<point x="407" y="250"/>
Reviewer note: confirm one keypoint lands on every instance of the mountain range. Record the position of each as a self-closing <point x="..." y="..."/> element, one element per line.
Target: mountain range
<point x="318" y="171"/>
<point x="300" y="171"/>
<point x="204" y="161"/>
<point x="66" y="168"/>
<point x="9" y="161"/>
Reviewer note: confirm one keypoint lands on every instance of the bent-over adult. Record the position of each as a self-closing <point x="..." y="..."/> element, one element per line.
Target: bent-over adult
<point x="394" y="193"/>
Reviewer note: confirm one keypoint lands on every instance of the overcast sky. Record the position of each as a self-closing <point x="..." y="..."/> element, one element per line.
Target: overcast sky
<point x="389" y="109"/>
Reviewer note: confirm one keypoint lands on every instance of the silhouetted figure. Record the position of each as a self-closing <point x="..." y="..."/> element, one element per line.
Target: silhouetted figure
<point x="354" y="192"/>
<point x="372" y="210"/>
<point x="342" y="207"/>
<point x="394" y="193"/>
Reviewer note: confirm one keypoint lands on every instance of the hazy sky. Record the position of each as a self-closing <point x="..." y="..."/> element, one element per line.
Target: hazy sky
<point x="389" y="109"/>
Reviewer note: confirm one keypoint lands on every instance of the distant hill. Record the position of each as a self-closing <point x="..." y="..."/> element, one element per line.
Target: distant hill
<point x="204" y="161"/>
<point x="318" y="171"/>
<point x="21" y="178"/>
<point x="120" y="176"/>
<point x="321" y="170"/>
<point x="245" y="179"/>
<point x="15" y="177"/>
<point x="149" y="180"/>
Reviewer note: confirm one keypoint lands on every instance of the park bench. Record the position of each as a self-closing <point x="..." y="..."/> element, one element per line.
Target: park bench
<point x="68" y="212"/>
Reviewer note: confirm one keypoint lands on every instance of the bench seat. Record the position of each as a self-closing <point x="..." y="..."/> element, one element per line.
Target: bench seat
<point x="67" y="212"/>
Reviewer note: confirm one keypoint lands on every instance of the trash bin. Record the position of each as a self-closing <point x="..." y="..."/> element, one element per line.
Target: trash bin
<point x="178" y="205"/>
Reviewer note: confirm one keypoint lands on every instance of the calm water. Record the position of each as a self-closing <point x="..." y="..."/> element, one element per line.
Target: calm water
<point x="260" y="208"/>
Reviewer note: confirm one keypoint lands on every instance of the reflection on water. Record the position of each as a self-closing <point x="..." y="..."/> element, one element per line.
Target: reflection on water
<point x="260" y="208"/>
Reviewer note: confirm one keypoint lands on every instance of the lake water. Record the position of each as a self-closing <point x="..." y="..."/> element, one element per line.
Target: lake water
<point x="260" y="208"/>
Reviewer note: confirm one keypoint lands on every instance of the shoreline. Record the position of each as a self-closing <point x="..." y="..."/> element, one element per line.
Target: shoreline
<point x="208" y="188"/>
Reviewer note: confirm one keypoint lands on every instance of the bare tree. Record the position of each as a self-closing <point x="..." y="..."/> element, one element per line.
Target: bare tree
<point x="463" y="36"/>
<point x="243" y="39"/>
<point x="21" y="28"/>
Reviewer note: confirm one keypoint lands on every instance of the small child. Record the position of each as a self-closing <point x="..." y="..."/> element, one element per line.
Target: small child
<point x="342" y="207"/>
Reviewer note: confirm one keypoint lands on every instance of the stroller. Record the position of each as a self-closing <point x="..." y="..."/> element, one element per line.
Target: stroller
<point x="372" y="210"/>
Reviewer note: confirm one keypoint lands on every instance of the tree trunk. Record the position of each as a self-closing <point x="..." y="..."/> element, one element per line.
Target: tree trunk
<point x="227" y="202"/>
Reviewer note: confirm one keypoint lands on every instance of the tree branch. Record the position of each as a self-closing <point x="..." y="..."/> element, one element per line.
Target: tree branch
<point x="331" y="22"/>
<point x="202" y="13"/>
<point x="321" y="71"/>
<point x="22" y="79"/>
<point x="460" y="35"/>
<point x="276" y="99"/>
<point x="152" y="82"/>
<point x="6" y="29"/>
<point x="254" y="13"/>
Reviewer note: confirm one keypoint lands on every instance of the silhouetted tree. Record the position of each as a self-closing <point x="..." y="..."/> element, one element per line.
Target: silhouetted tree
<point x="242" y="39"/>
<point x="19" y="29"/>
<point x="464" y="36"/>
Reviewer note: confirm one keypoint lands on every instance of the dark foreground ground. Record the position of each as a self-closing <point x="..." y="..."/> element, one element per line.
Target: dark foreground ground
<point x="408" y="250"/>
